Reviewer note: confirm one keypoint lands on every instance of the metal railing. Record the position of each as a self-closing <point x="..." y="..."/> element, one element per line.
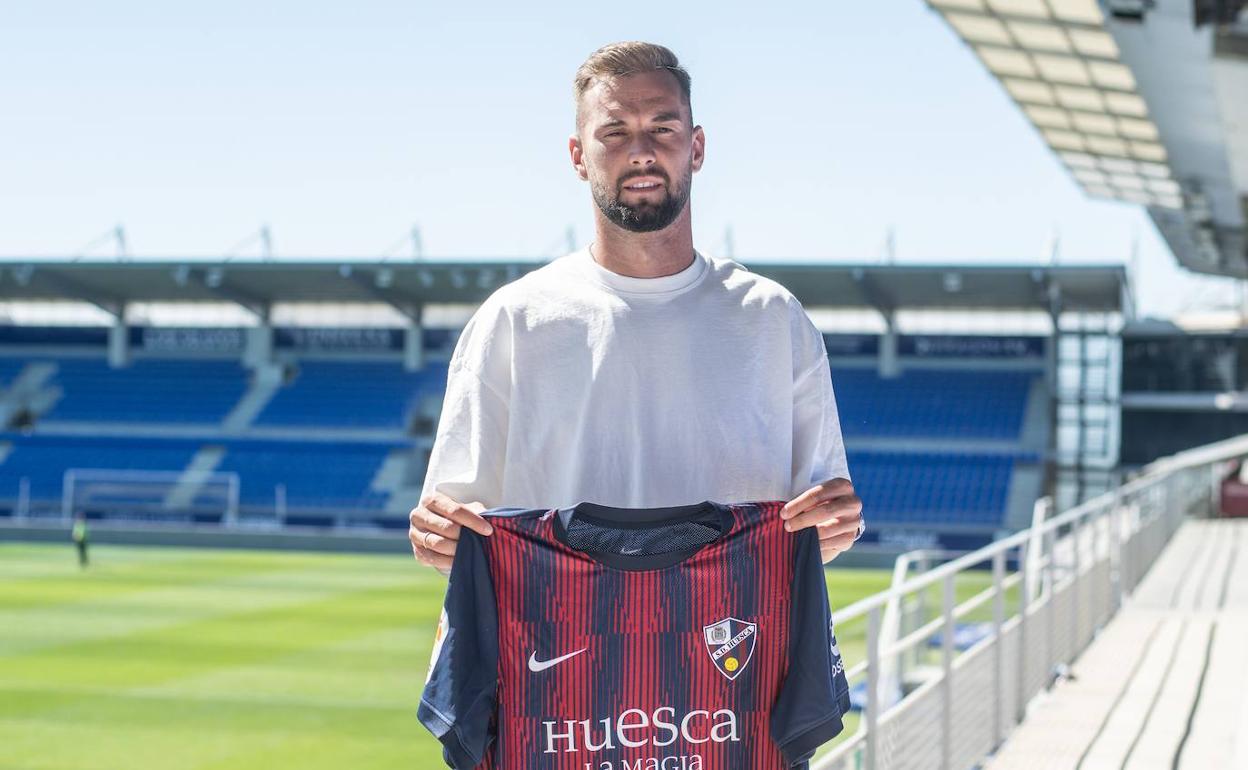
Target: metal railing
<point x="1052" y="587"/>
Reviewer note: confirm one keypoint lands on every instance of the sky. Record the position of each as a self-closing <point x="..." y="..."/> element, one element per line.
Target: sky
<point x="341" y="126"/>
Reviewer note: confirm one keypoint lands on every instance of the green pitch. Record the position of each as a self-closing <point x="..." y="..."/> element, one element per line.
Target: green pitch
<point x="203" y="659"/>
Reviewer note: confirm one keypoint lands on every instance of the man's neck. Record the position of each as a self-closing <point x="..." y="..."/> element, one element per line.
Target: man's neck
<point x="643" y="255"/>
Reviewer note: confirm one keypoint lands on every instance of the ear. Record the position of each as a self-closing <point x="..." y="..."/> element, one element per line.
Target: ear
<point x="699" y="148"/>
<point x="578" y="157"/>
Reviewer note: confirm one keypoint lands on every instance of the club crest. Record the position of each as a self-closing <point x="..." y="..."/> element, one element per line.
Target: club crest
<point x="730" y="643"/>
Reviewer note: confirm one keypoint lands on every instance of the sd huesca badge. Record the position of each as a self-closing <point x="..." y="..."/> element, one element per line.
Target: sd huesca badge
<point x="730" y="643"/>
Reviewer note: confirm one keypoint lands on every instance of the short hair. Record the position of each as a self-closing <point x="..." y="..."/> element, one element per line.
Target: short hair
<point x="628" y="58"/>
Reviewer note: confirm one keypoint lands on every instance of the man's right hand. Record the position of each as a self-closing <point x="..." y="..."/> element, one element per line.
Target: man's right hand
<point x="435" y="525"/>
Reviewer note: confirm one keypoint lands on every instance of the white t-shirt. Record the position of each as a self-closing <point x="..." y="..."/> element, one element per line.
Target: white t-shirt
<point x="576" y="384"/>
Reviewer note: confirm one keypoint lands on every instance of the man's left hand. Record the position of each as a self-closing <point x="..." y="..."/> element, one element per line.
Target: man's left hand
<point x="834" y="509"/>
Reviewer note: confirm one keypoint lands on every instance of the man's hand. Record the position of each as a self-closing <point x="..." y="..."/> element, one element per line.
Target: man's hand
<point x="435" y="525"/>
<point x="834" y="509"/>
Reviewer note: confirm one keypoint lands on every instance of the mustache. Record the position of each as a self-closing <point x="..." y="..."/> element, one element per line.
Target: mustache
<point x="660" y="174"/>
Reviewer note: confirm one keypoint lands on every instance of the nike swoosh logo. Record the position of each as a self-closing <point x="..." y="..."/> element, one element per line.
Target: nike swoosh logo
<point x="536" y="665"/>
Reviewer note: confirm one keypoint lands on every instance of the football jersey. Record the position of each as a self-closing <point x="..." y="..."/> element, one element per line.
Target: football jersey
<point x="599" y="638"/>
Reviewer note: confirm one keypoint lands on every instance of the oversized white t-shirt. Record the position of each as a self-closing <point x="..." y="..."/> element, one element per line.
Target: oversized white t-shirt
<point x="576" y="384"/>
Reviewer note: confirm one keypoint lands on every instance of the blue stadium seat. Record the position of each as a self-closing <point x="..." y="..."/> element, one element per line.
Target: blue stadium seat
<point x="317" y="475"/>
<point x="148" y="391"/>
<point x="946" y="488"/>
<point x="10" y="367"/>
<point x="357" y="394"/>
<point x="44" y="459"/>
<point x="932" y="403"/>
<point x="332" y="477"/>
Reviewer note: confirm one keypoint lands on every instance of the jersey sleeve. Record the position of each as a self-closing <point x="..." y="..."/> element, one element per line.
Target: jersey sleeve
<point x="459" y="698"/>
<point x="814" y="696"/>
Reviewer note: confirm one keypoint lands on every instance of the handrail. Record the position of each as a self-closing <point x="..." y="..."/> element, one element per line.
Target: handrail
<point x="1148" y="475"/>
<point x="1074" y="570"/>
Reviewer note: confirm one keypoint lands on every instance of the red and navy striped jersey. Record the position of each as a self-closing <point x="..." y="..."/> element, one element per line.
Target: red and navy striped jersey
<point x="598" y="638"/>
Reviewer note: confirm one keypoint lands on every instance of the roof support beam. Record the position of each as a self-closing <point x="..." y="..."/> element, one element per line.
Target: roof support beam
<point x="75" y="289"/>
<point x="873" y="294"/>
<point x="214" y="279"/>
<point x="376" y="283"/>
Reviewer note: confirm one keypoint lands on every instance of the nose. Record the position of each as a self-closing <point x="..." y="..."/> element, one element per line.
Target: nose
<point x="641" y="153"/>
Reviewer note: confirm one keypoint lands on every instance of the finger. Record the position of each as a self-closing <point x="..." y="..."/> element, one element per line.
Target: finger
<point x="460" y="513"/>
<point x="828" y="490"/>
<point x="842" y="523"/>
<point x="435" y="560"/>
<point x="439" y="544"/>
<point x="428" y="521"/>
<point x="824" y="513"/>
<point x="841" y="542"/>
<point x="471" y="520"/>
<point x="828" y="554"/>
<point x="801" y="502"/>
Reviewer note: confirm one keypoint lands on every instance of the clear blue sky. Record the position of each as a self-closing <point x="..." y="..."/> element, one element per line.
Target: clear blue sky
<point x="343" y="124"/>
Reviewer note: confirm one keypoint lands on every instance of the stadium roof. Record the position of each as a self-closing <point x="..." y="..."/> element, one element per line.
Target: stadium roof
<point x="257" y="285"/>
<point x="1142" y="101"/>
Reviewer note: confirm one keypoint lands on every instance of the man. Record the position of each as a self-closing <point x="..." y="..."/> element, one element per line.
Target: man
<point x="637" y="372"/>
<point x="79" y="536"/>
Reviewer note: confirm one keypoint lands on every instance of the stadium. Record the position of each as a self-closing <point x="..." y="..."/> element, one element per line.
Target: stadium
<point x="1051" y="576"/>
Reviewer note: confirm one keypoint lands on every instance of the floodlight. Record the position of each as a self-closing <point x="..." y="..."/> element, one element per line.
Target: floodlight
<point x="1134" y="128"/>
<point x="1094" y="43"/>
<point x="1126" y="104"/>
<point x="1063" y="69"/>
<point x="1038" y="36"/>
<point x="1094" y="123"/>
<point x="1112" y="75"/>
<point x="1063" y="140"/>
<point x="1107" y="145"/>
<point x="1048" y="117"/>
<point x="1006" y="61"/>
<point x="1034" y="8"/>
<point x="1078" y="160"/>
<point x="1081" y="11"/>
<point x="1086" y="99"/>
<point x="979" y="29"/>
<point x="1029" y="91"/>
<point x="1148" y="151"/>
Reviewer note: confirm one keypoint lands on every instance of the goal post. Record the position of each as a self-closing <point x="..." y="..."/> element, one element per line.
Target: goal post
<point x="144" y="495"/>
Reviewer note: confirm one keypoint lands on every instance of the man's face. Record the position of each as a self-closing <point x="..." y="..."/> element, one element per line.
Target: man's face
<point x="637" y="149"/>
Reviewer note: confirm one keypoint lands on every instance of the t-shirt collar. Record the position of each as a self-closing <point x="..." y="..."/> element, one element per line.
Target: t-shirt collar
<point x="627" y="284"/>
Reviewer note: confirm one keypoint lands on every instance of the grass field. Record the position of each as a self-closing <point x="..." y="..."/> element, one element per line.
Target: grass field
<point x="203" y="659"/>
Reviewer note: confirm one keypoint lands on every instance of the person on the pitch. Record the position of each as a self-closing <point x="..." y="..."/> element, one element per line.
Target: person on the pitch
<point x="80" y="537"/>
<point x="638" y="372"/>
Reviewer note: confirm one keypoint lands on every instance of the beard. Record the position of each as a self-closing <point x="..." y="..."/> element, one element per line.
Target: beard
<point x="644" y="216"/>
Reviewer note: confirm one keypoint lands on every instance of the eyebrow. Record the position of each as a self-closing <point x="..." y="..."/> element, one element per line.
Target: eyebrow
<point x="662" y="117"/>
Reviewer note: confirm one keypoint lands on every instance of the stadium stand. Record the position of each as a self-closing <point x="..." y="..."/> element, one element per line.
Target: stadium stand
<point x="939" y="489"/>
<point x="933" y="403"/>
<point x="9" y="369"/>
<point x="949" y="435"/>
<point x="319" y="450"/>
<point x="375" y="394"/>
<point x="342" y="438"/>
<point x="948" y="443"/>
<point x="43" y="460"/>
<point x="315" y="476"/>
<point x="149" y="390"/>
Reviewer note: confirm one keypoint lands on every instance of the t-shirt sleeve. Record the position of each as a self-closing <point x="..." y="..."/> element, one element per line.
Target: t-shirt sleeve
<point x="814" y="696"/>
<point x="818" y="446"/>
<point x="469" y="446"/>
<point x="459" y="698"/>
